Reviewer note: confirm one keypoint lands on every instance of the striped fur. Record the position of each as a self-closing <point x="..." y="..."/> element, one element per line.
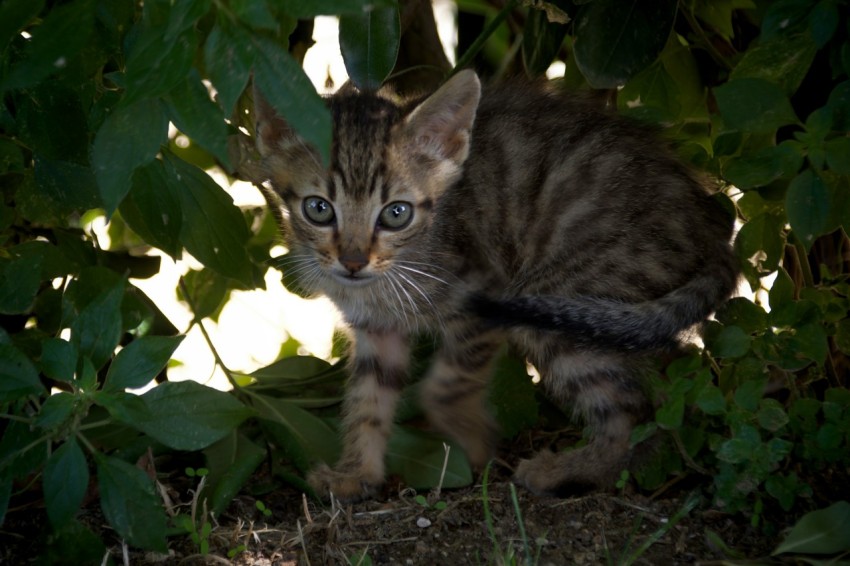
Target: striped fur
<point x="536" y="219"/>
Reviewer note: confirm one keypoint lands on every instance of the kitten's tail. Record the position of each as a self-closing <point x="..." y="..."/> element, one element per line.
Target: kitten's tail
<point x="610" y="323"/>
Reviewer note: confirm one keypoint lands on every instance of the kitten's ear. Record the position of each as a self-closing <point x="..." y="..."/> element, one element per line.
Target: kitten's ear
<point x="273" y="132"/>
<point x="440" y="126"/>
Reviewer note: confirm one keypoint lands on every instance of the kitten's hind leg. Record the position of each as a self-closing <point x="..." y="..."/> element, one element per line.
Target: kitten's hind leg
<point x="379" y="368"/>
<point x="454" y="391"/>
<point x="605" y="390"/>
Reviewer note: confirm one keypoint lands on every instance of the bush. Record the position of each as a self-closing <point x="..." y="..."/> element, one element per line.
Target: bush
<point x="754" y="93"/>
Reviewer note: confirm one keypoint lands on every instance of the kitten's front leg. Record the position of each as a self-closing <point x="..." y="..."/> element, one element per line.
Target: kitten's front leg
<point x="379" y="368"/>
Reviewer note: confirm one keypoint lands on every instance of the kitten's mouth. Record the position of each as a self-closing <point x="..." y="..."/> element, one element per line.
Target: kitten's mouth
<point x="353" y="279"/>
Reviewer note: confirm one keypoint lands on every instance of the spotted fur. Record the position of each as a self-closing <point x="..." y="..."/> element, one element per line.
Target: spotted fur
<point x="515" y="215"/>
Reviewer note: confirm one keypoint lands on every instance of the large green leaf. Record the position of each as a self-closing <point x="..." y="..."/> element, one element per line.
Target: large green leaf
<point x="754" y="105"/>
<point x="825" y="531"/>
<point x="303" y="436"/>
<point x="369" y="44"/>
<point x="66" y="479"/>
<point x="139" y="362"/>
<point x="131" y="136"/>
<point x="197" y="116"/>
<point x="759" y="245"/>
<point x="231" y="461"/>
<point x="615" y="40"/>
<point x="18" y="375"/>
<point x="782" y="60"/>
<point x="189" y="416"/>
<point x="97" y="329"/>
<point x="764" y="167"/>
<point x="153" y="210"/>
<point x="59" y="359"/>
<point x="130" y="504"/>
<point x="807" y="204"/>
<point x="20" y="278"/>
<point x="213" y="230"/>
<point x="284" y="84"/>
<point x="228" y="58"/>
<point x="512" y="395"/>
<point x="419" y="457"/>
<point x="55" y="42"/>
<point x="163" y="48"/>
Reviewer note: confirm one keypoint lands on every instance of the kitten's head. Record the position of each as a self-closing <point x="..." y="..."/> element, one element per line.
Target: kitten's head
<point x="357" y="219"/>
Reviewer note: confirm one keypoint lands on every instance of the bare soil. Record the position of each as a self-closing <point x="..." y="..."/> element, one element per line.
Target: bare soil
<point x="450" y="528"/>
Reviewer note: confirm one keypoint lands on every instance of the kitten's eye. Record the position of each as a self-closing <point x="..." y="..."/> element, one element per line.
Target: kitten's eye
<point x="318" y="211"/>
<point x="396" y="215"/>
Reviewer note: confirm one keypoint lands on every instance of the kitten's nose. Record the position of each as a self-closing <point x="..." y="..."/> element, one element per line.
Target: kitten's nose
<point x="353" y="261"/>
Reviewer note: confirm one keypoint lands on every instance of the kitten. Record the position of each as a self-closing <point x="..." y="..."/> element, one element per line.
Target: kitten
<point x="514" y="215"/>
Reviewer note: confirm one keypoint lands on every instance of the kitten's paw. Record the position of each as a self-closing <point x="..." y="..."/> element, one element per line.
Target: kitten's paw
<point x="345" y="485"/>
<point x="548" y="473"/>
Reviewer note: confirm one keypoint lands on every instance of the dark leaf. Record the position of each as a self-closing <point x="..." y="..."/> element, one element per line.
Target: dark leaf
<point x="20" y="278"/>
<point x="66" y="478"/>
<point x="825" y="531"/>
<point x="59" y="359"/>
<point x="304" y="9"/>
<point x="197" y="116"/>
<point x="189" y="416"/>
<point x="228" y="58"/>
<point x="18" y="375"/>
<point x="419" y="457"/>
<point x="369" y="44"/>
<point x="754" y="105"/>
<point x="97" y="329"/>
<point x="616" y="40"/>
<point x="140" y="361"/>
<point x="808" y="207"/>
<point x="130" y="504"/>
<point x="231" y="461"/>
<point x="131" y="136"/>
<point x="152" y="210"/>
<point x="783" y="61"/>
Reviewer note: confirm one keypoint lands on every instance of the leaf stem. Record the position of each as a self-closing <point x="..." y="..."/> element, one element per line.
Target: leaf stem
<point x="479" y="42"/>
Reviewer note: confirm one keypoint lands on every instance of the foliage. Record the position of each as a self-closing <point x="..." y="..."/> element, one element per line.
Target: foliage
<point x="754" y="93"/>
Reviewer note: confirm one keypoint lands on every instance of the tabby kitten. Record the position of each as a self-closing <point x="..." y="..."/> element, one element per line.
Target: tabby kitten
<point x="510" y="215"/>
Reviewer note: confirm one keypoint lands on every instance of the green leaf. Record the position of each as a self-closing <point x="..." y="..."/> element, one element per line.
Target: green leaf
<point x="615" y="41"/>
<point x="839" y="103"/>
<point x="288" y="264"/>
<point x="54" y="44"/>
<point x="711" y="400"/>
<point x="97" y="329"/>
<point x="157" y="61"/>
<point x="825" y="531"/>
<point x="232" y="461"/>
<point x="20" y="279"/>
<point x="213" y="230"/>
<point x="189" y="416"/>
<point x="369" y="44"/>
<point x="771" y="416"/>
<point x="131" y="136"/>
<point x="291" y="368"/>
<point x="808" y="206"/>
<point x="152" y="210"/>
<point x="18" y="375"/>
<point x="823" y="21"/>
<point x="753" y="105"/>
<point x="782" y="60"/>
<point x="284" y="84"/>
<point x="743" y="313"/>
<point x="669" y="415"/>
<point x="207" y="291"/>
<point x="749" y="393"/>
<point x="228" y="59"/>
<point x="139" y="362"/>
<point x="197" y="116"/>
<point x="718" y="14"/>
<point x="130" y="504"/>
<point x="731" y="342"/>
<point x="304" y="437"/>
<point x="56" y="411"/>
<point x="418" y="458"/>
<point x="59" y="359"/>
<point x="652" y="95"/>
<point x="810" y="341"/>
<point x="66" y="478"/>
<point x="764" y="167"/>
<point x="759" y="245"/>
<point x="838" y="155"/>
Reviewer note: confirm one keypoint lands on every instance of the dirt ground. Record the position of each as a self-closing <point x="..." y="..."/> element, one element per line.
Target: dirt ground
<point x="446" y="529"/>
